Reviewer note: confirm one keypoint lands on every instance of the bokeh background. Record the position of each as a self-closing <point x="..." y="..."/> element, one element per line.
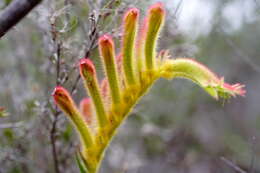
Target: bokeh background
<point x="176" y="128"/>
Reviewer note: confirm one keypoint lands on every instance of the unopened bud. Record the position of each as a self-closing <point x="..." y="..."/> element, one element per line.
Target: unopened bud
<point x="63" y="99"/>
<point x="106" y="48"/>
<point x="85" y="109"/>
<point x="130" y="22"/>
<point x="87" y="69"/>
<point x="153" y="25"/>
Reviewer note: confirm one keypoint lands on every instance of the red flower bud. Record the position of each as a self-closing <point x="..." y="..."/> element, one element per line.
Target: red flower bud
<point x="88" y="73"/>
<point x="106" y="48"/>
<point x="63" y="99"/>
<point x="85" y="108"/>
<point x="106" y="41"/>
<point x="157" y="9"/>
<point x="87" y="68"/>
<point x="130" y="16"/>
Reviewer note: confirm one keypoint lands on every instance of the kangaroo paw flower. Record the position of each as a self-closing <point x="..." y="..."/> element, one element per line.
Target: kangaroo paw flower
<point x="127" y="78"/>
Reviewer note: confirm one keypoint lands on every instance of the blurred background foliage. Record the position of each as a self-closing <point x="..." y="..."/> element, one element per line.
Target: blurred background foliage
<point x="175" y="128"/>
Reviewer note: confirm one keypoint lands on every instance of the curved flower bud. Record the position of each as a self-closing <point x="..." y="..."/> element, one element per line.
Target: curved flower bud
<point x="198" y="73"/>
<point x="63" y="99"/>
<point x="153" y="25"/>
<point x="88" y="74"/>
<point x="130" y="22"/>
<point x="107" y="51"/>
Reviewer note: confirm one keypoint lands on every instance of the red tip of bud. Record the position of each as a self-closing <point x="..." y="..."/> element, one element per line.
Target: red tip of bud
<point x="86" y="66"/>
<point x="157" y="8"/>
<point x="58" y="92"/>
<point x="131" y="13"/>
<point x="62" y="98"/>
<point x="106" y="40"/>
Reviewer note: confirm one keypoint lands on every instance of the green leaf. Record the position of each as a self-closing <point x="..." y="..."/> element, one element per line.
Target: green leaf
<point x="81" y="164"/>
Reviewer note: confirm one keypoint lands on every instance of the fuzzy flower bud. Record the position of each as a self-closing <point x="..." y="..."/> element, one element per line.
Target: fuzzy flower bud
<point x="63" y="99"/>
<point x="153" y="25"/>
<point x="88" y="74"/>
<point x="106" y="48"/>
<point x="130" y="22"/>
<point x="87" y="69"/>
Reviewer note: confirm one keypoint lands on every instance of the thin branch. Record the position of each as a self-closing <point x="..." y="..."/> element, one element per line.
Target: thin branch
<point x="242" y="55"/>
<point x="93" y="35"/>
<point x="58" y="64"/>
<point x="53" y="142"/>
<point x="74" y="86"/>
<point x="239" y="52"/>
<point x="253" y="155"/>
<point x="232" y="165"/>
<point x="14" y="12"/>
<point x="56" y="113"/>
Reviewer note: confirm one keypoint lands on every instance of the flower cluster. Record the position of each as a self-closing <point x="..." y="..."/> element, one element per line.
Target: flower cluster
<point x="127" y="77"/>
